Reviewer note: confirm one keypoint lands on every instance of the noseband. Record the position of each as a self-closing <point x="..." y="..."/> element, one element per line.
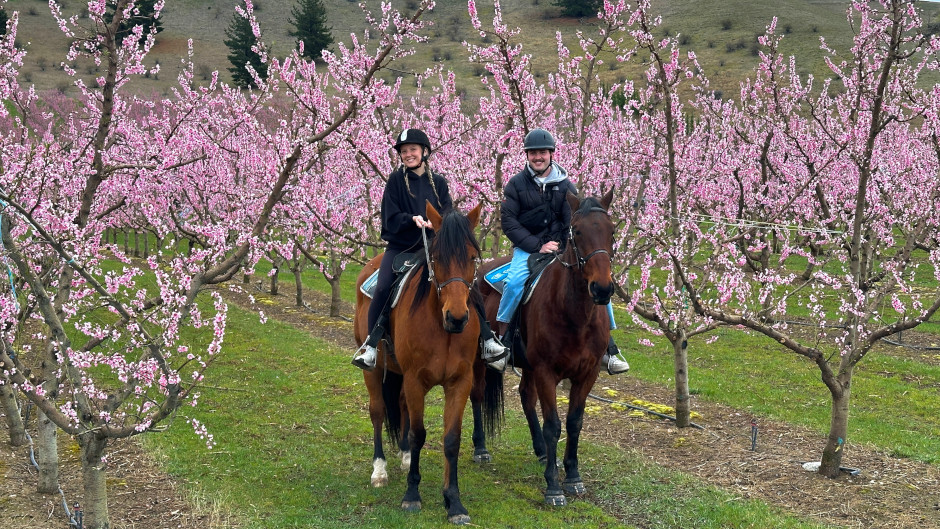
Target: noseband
<point x="582" y="260"/>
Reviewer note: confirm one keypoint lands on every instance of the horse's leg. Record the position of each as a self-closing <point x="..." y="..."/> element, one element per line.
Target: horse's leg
<point x="404" y="447"/>
<point x="377" y="415"/>
<point x="455" y="401"/>
<point x="577" y="398"/>
<point x="415" y="392"/>
<point x="551" y="432"/>
<point x="529" y="399"/>
<point x="480" y="453"/>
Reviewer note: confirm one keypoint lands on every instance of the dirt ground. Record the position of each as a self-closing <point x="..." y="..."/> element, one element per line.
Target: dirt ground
<point x="887" y="492"/>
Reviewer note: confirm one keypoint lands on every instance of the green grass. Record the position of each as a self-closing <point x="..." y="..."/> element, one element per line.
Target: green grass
<point x="289" y="416"/>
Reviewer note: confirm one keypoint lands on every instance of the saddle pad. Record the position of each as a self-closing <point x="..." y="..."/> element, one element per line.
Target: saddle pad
<point x="497" y="279"/>
<point x="368" y="286"/>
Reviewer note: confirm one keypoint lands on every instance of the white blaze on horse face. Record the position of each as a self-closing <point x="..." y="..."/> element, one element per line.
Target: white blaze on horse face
<point x="379" y="473"/>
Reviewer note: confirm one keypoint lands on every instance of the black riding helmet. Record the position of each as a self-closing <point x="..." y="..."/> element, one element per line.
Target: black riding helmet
<point x="539" y="139"/>
<point x="416" y="136"/>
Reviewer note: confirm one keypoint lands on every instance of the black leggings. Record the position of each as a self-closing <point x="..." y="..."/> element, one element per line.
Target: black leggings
<point x="383" y="288"/>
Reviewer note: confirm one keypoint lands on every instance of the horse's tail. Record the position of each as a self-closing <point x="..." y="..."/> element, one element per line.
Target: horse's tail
<point x="492" y="402"/>
<point x="391" y="394"/>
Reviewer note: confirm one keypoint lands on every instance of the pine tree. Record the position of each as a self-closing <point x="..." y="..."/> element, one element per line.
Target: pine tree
<point x="240" y="40"/>
<point x="579" y="8"/>
<point x="309" y="20"/>
<point x="146" y="17"/>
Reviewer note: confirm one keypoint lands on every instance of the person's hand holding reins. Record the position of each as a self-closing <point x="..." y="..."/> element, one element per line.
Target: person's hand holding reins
<point x="549" y="247"/>
<point x="421" y="221"/>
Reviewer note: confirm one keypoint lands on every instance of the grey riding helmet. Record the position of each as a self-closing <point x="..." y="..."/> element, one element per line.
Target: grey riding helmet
<point x="539" y="139"/>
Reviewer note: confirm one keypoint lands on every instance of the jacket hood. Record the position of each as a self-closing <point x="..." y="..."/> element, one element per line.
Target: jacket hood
<point x="557" y="174"/>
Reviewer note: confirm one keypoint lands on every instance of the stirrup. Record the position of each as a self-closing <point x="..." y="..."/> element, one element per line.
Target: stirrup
<point x="498" y="365"/>
<point x="615" y="365"/>
<point x="366" y="360"/>
<point x="493" y="350"/>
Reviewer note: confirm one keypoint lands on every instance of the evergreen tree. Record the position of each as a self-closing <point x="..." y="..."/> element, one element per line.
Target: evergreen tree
<point x="579" y="8"/>
<point x="146" y="17"/>
<point x="309" y="20"/>
<point x="240" y="40"/>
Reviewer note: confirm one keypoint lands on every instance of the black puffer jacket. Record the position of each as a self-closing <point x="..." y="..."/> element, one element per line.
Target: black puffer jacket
<point x="521" y="218"/>
<point x="399" y="206"/>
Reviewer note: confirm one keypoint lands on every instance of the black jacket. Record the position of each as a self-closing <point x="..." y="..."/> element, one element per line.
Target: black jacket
<point x="399" y="206"/>
<point x="533" y="214"/>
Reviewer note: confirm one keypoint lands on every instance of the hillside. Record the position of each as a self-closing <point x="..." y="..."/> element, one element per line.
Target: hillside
<point x="721" y="32"/>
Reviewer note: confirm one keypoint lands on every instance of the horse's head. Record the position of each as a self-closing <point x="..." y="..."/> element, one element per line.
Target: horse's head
<point x="454" y="254"/>
<point x="591" y="241"/>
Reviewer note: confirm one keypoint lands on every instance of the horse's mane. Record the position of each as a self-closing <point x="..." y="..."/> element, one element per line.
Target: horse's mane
<point x="588" y="204"/>
<point x="447" y="247"/>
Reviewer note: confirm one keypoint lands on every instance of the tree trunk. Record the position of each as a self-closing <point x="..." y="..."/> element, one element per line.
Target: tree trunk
<point x="335" y="299"/>
<point x="274" y="273"/>
<point x="94" y="482"/>
<point x="12" y="412"/>
<point x="127" y="242"/>
<point x="838" y="428"/>
<point x="46" y="431"/>
<point x="47" y="449"/>
<point x="681" y="365"/>
<point x="146" y="246"/>
<point x="299" y="295"/>
<point x="136" y="243"/>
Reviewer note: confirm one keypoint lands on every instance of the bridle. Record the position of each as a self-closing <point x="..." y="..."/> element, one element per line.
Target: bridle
<point x="433" y="280"/>
<point x="582" y="260"/>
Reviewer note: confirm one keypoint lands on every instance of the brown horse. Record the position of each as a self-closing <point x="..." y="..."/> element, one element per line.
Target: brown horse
<point x="435" y="336"/>
<point x="565" y="329"/>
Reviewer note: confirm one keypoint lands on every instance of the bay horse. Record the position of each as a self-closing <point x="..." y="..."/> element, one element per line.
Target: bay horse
<point x="435" y="334"/>
<point x="565" y="329"/>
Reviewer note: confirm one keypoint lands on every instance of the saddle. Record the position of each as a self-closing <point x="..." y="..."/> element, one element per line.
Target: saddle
<point x="404" y="265"/>
<point x="496" y="278"/>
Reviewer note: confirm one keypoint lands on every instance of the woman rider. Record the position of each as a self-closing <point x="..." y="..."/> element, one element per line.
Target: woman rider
<point x="403" y="206"/>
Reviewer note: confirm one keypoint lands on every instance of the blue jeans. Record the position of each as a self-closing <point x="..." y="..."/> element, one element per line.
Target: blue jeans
<point x="515" y="281"/>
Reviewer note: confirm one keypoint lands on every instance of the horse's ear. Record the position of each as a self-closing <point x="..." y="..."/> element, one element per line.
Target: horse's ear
<point x="573" y="201"/>
<point x="474" y="215"/>
<point x="607" y="198"/>
<point x="433" y="215"/>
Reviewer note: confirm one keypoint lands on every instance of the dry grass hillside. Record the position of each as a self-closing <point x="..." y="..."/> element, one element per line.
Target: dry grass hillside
<point x="721" y="32"/>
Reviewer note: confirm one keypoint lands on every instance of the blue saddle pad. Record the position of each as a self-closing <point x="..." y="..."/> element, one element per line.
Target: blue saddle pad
<point x="497" y="277"/>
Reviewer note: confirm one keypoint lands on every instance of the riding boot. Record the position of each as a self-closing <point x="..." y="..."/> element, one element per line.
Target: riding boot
<point x="367" y="354"/>
<point x="613" y="361"/>
<point x="498" y="363"/>
<point x="493" y="350"/>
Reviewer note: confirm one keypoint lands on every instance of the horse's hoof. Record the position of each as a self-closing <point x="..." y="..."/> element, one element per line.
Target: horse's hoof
<point x="379" y="473"/>
<point x="482" y="457"/>
<point x="459" y="519"/>
<point x="555" y="499"/>
<point x="411" y="506"/>
<point x="575" y="487"/>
